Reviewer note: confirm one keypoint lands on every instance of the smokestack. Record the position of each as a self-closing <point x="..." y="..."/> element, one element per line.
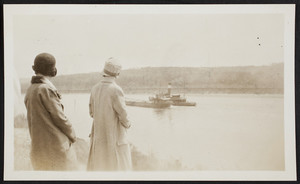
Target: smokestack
<point x="169" y="89"/>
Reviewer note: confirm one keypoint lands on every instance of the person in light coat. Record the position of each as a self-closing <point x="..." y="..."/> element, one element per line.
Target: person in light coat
<point x="109" y="147"/>
<point x="51" y="133"/>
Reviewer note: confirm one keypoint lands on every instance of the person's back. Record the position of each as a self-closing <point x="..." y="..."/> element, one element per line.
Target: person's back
<point x="109" y="146"/>
<point x="50" y="131"/>
<point x="38" y="120"/>
<point x="102" y="95"/>
<point x="48" y="142"/>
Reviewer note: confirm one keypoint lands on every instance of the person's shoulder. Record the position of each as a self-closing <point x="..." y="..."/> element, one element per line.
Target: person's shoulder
<point x="96" y="86"/>
<point x="117" y="88"/>
<point x="45" y="89"/>
<point x="44" y="86"/>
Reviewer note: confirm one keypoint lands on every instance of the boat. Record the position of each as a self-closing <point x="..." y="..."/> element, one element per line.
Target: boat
<point x="175" y="99"/>
<point x="178" y="100"/>
<point x="154" y="103"/>
<point x="184" y="103"/>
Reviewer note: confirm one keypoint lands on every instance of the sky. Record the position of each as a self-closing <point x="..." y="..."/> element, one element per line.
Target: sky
<point x="82" y="43"/>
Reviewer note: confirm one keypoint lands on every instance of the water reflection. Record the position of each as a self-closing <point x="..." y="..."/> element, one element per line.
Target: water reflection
<point x="160" y="113"/>
<point x="164" y="114"/>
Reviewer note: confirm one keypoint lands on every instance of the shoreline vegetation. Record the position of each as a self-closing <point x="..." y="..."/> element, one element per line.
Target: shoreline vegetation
<point x="202" y="80"/>
<point x="189" y="90"/>
<point x="140" y="161"/>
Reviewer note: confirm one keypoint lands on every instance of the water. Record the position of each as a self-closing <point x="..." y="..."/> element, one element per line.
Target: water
<point x="223" y="132"/>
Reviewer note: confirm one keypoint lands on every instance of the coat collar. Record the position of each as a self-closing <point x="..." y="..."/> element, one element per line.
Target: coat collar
<point x="42" y="79"/>
<point x="108" y="79"/>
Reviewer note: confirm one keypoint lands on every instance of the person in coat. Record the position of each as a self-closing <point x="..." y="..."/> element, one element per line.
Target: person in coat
<point x="51" y="132"/>
<point x="109" y="147"/>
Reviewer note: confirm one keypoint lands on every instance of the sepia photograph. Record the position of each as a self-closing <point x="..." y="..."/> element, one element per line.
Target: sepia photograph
<point x="149" y="92"/>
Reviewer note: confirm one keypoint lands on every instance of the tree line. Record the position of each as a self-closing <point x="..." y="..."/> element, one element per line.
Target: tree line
<point x="267" y="79"/>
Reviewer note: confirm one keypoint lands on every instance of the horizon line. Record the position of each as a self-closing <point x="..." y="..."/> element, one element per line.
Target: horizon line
<point x="137" y="68"/>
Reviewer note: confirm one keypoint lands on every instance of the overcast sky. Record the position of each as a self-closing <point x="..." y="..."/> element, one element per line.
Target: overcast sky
<point x="82" y="43"/>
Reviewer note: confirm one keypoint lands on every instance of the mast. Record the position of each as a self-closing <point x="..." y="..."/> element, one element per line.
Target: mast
<point x="169" y="89"/>
<point x="183" y="88"/>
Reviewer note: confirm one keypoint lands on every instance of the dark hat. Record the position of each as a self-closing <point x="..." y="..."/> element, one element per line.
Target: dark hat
<point x="44" y="64"/>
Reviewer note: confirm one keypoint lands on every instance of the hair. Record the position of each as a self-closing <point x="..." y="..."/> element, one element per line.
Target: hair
<point x="44" y="64"/>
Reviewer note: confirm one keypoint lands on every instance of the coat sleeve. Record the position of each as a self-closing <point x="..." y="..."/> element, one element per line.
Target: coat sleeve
<point x="120" y="107"/>
<point x="53" y="105"/>
<point x="28" y="117"/>
<point x="91" y="107"/>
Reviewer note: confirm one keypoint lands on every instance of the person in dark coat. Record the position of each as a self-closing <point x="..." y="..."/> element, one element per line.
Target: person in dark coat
<point x="51" y="132"/>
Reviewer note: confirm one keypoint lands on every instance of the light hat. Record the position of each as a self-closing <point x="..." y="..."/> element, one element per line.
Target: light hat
<point x="112" y="67"/>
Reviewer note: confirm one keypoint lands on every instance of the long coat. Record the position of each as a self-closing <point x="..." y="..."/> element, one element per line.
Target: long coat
<point x="51" y="133"/>
<point x="109" y="147"/>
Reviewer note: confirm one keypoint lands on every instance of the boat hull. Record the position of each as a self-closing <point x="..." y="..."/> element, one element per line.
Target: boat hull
<point x="175" y="100"/>
<point x="184" y="103"/>
<point x="148" y="104"/>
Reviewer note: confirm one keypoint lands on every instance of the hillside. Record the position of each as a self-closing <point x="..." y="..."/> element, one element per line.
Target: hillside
<point x="247" y="79"/>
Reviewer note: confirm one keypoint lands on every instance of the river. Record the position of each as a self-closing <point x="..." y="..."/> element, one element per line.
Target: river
<point x="223" y="132"/>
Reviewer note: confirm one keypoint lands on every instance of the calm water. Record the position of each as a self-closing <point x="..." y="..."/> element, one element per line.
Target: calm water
<point x="223" y="132"/>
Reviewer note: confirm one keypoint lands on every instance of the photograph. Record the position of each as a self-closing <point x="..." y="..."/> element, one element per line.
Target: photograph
<point x="149" y="92"/>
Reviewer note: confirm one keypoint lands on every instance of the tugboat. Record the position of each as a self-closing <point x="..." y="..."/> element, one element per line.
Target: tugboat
<point x="175" y="99"/>
<point x="154" y="102"/>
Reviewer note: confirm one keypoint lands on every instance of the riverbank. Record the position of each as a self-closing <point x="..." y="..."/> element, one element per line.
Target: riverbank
<point x="140" y="161"/>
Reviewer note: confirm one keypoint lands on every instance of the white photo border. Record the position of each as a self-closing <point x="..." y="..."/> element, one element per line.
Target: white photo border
<point x="288" y="10"/>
